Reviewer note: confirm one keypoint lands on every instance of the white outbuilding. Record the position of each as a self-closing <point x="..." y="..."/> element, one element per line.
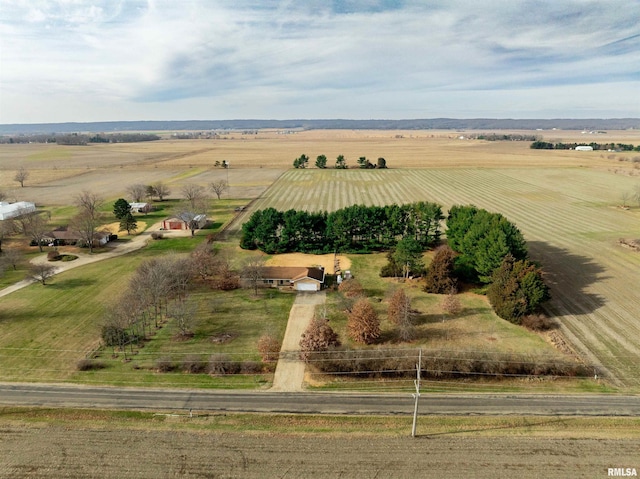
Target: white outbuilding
<point x="13" y="210"/>
<point x="584" y="148"/>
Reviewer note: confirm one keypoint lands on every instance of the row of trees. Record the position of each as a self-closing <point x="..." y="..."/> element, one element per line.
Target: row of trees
<point x="341" y="163"/>
<point x="159" y="291"/>
<point x="191" y="192"/>
<point x="545" y="145"/>
<point x="355" y="228"/>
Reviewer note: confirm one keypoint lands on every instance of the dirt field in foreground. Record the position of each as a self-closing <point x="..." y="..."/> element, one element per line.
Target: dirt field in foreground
<point x="60" y="452"/>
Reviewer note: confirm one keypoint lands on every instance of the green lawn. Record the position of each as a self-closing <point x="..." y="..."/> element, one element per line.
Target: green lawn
<point x="46" y="330"/>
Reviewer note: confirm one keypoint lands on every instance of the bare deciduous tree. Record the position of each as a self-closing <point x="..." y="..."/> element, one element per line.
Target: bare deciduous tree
<point x="184" y="313"/>
<point x="195" y="195"/>
<point x="33" y="225"/>
<point x="137" y="192"/>
<point x="451" y="304"/>
<point x="401" y="314"/>
<point x="252" y="272"/>
<point x="88" y="217"/>
<point x="11" y="257"/>
<point x="203" y="262"/>
<point x="624" y="196"/>
<point x="363" y="324"/>
<point x="161" y="190"/>
<point x="219" y="187"/>
<point x="21" y="176"/>
<point x="7" y="228"/>
<point x="41" y="272"/>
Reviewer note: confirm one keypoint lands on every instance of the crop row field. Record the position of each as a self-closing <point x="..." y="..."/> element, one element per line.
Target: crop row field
<point x="569" y="216"/>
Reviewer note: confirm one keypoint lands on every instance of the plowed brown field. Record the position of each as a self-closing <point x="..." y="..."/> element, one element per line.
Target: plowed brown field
<point x="47" y="452"/>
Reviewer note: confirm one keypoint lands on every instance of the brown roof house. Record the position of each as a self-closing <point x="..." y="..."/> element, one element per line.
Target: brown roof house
<point x="64" y="236"/>
<point x="296" y="277"/>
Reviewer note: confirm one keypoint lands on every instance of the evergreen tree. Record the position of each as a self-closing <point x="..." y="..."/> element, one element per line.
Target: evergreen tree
<point x="121" y="208"/>
<point x="128" y="223"/>
<point x="321" y="161"/>
<point x="440" y="277"/>
<point x="517" y="289"/>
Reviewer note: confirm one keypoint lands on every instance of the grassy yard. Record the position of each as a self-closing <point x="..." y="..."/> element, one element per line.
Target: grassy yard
<point x="46" y="330"/>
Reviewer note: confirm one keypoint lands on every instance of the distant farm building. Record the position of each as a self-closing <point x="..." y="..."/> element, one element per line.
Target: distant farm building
<point x="140" y="207"/>
<point x="13" y="210"/>
<point x="295" y="277"/>
<point x="584" y="148"/>
<point x="176" y="223"/>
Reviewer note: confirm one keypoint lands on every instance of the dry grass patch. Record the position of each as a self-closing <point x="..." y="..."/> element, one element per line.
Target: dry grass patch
<point x="307" y="260"/>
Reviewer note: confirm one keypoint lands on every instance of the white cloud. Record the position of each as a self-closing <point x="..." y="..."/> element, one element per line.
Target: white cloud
<point x="81" y="60"/>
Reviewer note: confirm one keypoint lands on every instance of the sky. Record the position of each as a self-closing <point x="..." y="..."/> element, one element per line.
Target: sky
<point x="117" y="60"/>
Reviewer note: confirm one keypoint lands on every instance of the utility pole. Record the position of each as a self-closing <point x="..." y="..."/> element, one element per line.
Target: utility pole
<point x="416" y="382"/>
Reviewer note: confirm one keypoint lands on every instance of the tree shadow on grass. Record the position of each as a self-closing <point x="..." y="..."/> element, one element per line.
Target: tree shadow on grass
<point x="70" y="283"/>
<point x="568" y="276"/>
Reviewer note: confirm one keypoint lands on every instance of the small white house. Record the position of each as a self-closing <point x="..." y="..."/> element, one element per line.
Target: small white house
<point x="13" y="210"/>
<point x="584" y="148"/>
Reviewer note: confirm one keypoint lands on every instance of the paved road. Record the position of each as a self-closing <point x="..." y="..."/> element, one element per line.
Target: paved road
<point x="23" y="394"/>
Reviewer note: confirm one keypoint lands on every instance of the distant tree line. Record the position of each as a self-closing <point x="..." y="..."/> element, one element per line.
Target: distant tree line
<point x="81" y="139"/>
<point x="503" y="137"/>
<point x="356" y="228"/>
<point x="545" y="145"/>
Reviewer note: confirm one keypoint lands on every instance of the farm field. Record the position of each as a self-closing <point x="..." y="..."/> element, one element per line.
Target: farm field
<point x="565" y="202"/>
<point x="59" y="172"/>
<point x="568" y="216"/>
<point x="117" y="444"/>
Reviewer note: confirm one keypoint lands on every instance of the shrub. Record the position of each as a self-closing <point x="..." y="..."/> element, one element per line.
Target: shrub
<point x="391" y="363"/>
<point x="269" y="348"/>
<point x="156" y="235"/>
<point x="222" y="364"/>
<point x="319" y="336"/>
<point x="351" y="288"/>
<point x="193" y="364"/>
<point x="538" y="322"/>
<point x="251" y="367"/>
<point x="53" y="255"/>
<point x="114" y="335"/>
<point x="164" y="364"/>
<point x="90" y="365"/>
